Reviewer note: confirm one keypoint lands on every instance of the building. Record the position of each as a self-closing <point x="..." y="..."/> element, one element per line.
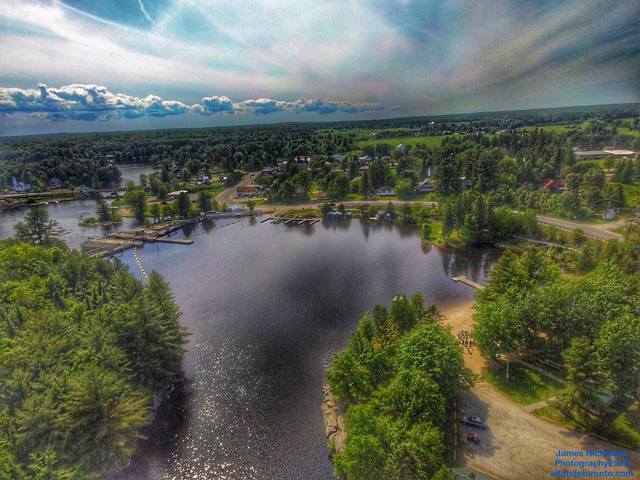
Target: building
<point x="402" y="148"/>
<point x="55" y="182"/>
<point x="302" y="159"/>
<point x="385" y="191"/>
<point x="607" y="152"/>
<point x="364" y="169"/>
<point x="466" y="182"/>
<point x="611" y="213"/>
<point x="19" y="187"/>
<point x="338" y="158"/>
<point x="554" y="186"/>
<point x="268" y="172"/>
<point x="425" y="186"/>
<point x="364" y="159"/>
<point x="174" y="195"/>
<point x="321" y="196"/>
<point x="247" y="190"/>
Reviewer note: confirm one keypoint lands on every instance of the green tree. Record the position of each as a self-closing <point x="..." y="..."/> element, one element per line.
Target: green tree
<point x="36" y="227"/>
<point x="183" y="205"/>
<point x="204" y="201"/>
<point x="584" y="376"/>
<point x="103" y="210"/>
<point x="137" y="200"/>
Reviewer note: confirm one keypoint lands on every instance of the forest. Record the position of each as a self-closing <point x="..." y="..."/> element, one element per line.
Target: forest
<point x="398" y="379"/>
<point x="86" y="351"/>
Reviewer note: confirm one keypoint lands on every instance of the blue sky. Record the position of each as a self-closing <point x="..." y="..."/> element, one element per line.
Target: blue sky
<point x="132" y="64"/>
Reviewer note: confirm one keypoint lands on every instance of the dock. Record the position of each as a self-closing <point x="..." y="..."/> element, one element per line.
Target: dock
<point x="467" y="281"/>
<point x="292" y="220"/>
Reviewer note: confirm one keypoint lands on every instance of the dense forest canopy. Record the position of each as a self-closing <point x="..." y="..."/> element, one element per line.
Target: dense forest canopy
<point x="85" y="350"/>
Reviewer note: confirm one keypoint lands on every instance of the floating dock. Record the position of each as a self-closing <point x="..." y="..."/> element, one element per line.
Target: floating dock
<point x="467" y="281"/>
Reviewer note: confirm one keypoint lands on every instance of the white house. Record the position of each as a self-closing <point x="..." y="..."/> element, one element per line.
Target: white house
<point x="425" y="186"/>
<point x="385" y="192"/>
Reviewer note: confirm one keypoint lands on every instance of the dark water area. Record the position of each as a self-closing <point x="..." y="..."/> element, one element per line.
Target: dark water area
<point x="267" y="306"/>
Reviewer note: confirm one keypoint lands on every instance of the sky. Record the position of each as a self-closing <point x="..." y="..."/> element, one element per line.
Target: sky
<point x="93" y="65"/>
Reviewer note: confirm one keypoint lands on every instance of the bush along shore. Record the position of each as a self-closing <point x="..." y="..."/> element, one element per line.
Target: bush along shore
<point x="86" y="353"/>
<point x="396" y="382"/>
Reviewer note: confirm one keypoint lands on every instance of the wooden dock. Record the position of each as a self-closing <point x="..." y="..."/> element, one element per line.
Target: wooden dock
<point x="292" y="220"/>
<point x="177" y="241"/>
<point x="467" y="281"/>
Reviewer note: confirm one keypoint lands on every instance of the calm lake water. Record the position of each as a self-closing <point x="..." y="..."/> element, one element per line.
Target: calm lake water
<point x="267" y="306"/>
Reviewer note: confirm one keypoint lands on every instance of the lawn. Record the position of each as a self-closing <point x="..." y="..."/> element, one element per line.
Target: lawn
<point x="525" y="386"/>
<point x="552" y="128"/>
<point x="304" y="213"/>
<point x="632" y="195"/>
<point x="431" y="141"/>
<point x="624" y="430"/>
<point x="628" y="131"/>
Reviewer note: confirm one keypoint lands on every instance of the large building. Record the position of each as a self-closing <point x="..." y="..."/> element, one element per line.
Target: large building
<point x="607" y="152"/>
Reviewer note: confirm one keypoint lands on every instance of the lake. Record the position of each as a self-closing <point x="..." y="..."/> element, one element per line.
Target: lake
<point x="267" y="306"/>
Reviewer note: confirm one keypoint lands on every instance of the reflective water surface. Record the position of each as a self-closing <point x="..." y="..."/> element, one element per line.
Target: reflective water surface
<point x="267" y="306"/>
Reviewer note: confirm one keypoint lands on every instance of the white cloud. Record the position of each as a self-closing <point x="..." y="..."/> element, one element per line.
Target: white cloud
<point x="94" y="102"/>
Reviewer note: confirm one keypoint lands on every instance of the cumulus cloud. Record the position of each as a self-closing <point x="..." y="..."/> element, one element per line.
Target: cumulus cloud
<point x="94" y="102"/>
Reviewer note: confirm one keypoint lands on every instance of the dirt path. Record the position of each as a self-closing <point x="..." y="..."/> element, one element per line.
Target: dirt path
<point x="517" y="445"/>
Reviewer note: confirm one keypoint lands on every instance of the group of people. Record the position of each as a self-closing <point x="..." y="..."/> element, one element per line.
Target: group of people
<point x="465" y="338"/>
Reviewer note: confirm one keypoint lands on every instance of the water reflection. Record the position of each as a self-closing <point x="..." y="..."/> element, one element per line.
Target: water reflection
<point x="267" y="305"/>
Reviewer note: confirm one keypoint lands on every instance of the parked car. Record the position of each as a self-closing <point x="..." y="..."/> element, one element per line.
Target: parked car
<point x="474" y="421"/>
<point x="473" y="437"/>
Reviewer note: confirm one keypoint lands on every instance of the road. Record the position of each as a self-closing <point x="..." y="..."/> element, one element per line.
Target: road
<point x="516" y="444"/>
<point x="598" y="231"/>
<point x="226" y="196"/>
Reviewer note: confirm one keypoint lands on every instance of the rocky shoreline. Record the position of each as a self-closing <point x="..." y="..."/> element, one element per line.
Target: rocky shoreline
<point x="333" y="416"/>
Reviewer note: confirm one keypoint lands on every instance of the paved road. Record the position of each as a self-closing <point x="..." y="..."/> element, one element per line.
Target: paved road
<point x="599" y="231"/>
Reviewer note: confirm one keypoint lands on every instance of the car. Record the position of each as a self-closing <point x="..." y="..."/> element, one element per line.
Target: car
<point x="474" y="421"/>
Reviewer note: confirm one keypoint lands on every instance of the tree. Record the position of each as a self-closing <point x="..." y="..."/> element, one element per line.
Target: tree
<point x="36" y="227"/>
<point x="403" y="313"/>
<point x="156" y="211"/>
<point x="426" y="231"/>
<point x="251" y="205"/>
<point x="618" y="348"/>
<point x="584" y="376"/>
<point x="137" y="199"/>
<point x="103" y="210"/>
<point x="183" y="205"/>
<point x="404" y="188"/>
<point x="204" y="201"/>
<point x="448" y="223"/>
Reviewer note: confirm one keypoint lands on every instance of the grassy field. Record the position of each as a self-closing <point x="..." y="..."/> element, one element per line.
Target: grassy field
<point x="632" y="195"/>
<point x="552" y="128"/>
<point x="624" y="430"/>
<point x="431" y="141"/>
<point x="525" y="386"/>
<point x="628" y="131"/>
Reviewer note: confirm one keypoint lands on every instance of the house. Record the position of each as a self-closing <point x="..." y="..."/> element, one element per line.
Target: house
<point x="174" y="195"/>
<point x="19" y="187"/>
<point x="611" y="213"/>
<point x="248" y="190"/>
<point x="402" y="148"/>
<point x="386" y="158"/>
<point x="338" y="158"/>
<point x="364" y="169"/>
<point x="55" y="182"/>
<point x="385" y="191"/>
<point x="268" y="172"/>
<point x="204" y="179"/>
<point x="554" y="186"/>
<point x="425" y="186"/>
<point x="302" y="159"/>
<point x="364" y="159"/>
<point x="466" y="182"/>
